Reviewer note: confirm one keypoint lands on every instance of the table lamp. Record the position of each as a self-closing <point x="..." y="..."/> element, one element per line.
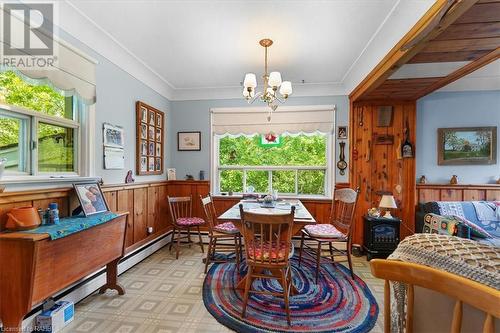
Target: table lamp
<point x="388" y="202"/>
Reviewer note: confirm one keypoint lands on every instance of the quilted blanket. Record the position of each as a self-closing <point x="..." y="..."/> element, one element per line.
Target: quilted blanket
<point x="464" y="257"/>
<point x="485" y="211"/>
<point x="70" y="225"/>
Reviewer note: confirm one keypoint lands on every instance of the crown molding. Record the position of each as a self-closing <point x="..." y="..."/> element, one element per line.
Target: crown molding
<point x="299" y="90"/>
<point x="76" y="23"/>
<point x="80" y="26"/>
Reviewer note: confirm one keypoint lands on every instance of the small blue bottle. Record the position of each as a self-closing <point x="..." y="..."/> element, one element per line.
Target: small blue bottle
<point x="53" y="213"/>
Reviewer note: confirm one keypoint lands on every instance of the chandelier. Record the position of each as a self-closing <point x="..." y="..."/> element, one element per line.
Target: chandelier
<point x="272" y="81"/>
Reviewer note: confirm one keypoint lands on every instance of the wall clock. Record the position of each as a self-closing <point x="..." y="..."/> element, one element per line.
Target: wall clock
<point x="342" y="164"/>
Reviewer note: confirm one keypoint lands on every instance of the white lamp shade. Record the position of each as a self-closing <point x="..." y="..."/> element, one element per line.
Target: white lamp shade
<point x="274" y="79"/>
<point x="250" y="80"/>
<point x="387" y="201"/>
<point x="286" y="88"/>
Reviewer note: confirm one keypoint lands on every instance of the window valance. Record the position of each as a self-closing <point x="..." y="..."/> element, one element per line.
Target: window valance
<point x="295" y="119"/>
<point x="73" y="72"/>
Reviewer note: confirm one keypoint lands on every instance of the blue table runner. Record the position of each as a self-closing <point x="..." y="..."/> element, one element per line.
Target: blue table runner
<point x="70" y="225"/>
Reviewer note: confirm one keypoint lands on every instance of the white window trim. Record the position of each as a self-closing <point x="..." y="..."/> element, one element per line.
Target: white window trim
<point x="85" y="146"/>
<point x="330" y="152"/>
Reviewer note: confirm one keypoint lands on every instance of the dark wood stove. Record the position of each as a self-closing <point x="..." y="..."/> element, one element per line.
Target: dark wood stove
<point x="381" y="236"/>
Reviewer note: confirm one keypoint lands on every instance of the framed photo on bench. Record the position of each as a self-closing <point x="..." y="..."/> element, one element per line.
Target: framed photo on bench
<point x="150" y="127"/>
<point x="91" y="198"/>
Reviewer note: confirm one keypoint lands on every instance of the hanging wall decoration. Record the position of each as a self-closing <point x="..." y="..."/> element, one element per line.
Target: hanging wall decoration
<point x="407" y="147"/>
<point x="188" y="141"/>
<point x="467" y="146"/>
<point x="149" y="140"/>
<point x="342" y="164"/>
<point x="342" y="132"/>
<point x="114" y="143"/>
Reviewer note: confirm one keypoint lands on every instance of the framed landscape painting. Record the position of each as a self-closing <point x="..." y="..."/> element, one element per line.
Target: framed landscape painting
<point x="467" y="146"/>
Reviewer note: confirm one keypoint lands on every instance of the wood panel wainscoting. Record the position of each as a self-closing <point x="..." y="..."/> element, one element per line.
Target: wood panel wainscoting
<point x="377" y="165"/>
<point x="146" y="203"/>
<point x="445" y="192"/>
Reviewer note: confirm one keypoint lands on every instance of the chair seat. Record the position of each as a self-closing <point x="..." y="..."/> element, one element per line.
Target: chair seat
<point x="226" y="228"/>
<point x="327" y="231"/>
<point x="189" y="221"/>
<point x="276" y="251"/>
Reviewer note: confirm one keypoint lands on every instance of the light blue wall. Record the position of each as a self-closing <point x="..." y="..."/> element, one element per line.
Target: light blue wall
<point x="195" y="116"/>
<point x="117" y="92"/>
<point x="455" y="109"/>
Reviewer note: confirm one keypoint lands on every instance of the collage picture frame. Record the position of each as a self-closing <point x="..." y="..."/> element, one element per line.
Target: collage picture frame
<point x="150" y="139"/>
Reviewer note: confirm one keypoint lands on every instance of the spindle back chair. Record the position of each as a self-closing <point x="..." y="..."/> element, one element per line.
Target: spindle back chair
<point x="337" y="230"/>
<point x="225" y="232"/>
<point x="268" y="246"/>
<point x="463" y="290"/>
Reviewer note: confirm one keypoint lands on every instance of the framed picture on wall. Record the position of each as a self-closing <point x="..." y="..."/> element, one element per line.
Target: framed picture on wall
<point x="467" y="145"/>
<point x="342" y="132"/>
<point x="113" y="136"/>
<point x="188" y="141"/>
<point x="149" y="139"/>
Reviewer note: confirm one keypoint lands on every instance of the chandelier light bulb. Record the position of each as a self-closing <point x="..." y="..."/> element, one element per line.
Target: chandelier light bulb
<point x="250" y="80"/>
<point x="272" y="83"/>
<point x="274" y="79"/>
<point x="286" y="88"/>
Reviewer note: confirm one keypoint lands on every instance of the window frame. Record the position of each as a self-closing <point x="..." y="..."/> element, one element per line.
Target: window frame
<point x="34" y="118"/>
<point x="329" y="169"/>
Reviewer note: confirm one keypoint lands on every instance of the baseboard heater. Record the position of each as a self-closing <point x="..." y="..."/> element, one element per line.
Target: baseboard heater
<point x="94" y="281"/>
<point x="91" y="283"/>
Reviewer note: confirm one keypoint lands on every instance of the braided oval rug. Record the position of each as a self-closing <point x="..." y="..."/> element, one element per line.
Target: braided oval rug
<point x="336" y="304"/>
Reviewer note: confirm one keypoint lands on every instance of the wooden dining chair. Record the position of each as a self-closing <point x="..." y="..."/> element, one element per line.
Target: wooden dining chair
<point x="225" y="232"/>
<point x="339" y="230"/>
<point x="268" y="248"/>
<point x="181" y="212"/>
<point x="463" y="290"/>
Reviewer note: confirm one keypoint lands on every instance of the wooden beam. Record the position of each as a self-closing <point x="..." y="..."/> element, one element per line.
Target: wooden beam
<point x="478" y="44"/>
<point x="471" y="30"/>
<point x="399" y="55"/>
<point x="482" y="12"/>
<point x="423" y="57"/>
<point x="461" y="72"/>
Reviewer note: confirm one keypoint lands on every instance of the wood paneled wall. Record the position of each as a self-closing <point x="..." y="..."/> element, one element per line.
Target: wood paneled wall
<point x="146" y="203"/>
<point x="444" y="192"/>
<point x="376" y="168"/>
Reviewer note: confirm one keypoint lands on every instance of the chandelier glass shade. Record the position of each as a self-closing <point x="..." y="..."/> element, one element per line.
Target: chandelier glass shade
<point x="274" y="89"/>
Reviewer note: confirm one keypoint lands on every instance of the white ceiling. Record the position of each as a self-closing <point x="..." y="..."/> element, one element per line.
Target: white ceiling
<point x="485" y="78"/>
<point x="434" y="69"/>
<point x="202" y="49"/>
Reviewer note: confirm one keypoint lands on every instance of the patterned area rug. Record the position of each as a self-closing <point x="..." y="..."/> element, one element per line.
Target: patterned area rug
<point x="336" y="304"/>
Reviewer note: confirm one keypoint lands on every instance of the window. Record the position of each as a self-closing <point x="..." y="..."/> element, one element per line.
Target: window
<point x="39" y="127"/>
<point x="290" y="164"/>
